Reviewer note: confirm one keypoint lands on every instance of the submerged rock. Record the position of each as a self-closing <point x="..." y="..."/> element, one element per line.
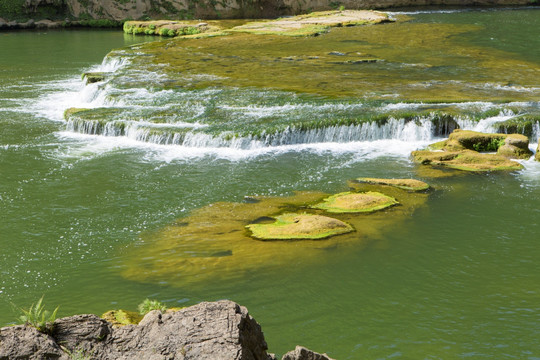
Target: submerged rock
<point x="404" y="184"/>
<point x="348" y="202"/>
<point x="212" y="244"/>
<point x="299" y="227"/>
<point x="475" y="151"/>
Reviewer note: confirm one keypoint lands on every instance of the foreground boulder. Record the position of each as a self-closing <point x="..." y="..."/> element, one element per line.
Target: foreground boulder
<point x="209" y="330"/>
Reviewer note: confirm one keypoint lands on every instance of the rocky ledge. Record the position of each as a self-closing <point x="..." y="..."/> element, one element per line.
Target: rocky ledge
<point x="209" y="330"/>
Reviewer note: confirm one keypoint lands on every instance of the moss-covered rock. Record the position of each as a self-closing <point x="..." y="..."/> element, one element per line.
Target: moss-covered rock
<point x="122" y="317"/>
<point x="537" y="156"/>
<point x="512" y="146"/>
<point x="467" y="160"/>
<point x="349" y="202"/>
<point x="470" y="151"/>
<point x="404" y="184"/>
<point x="299" y="227"/>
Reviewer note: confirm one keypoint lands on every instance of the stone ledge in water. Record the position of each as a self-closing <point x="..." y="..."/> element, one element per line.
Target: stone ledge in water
<point x="168" y="27"/>
<point x="349" y="202"/>
<point x="467" y="160"/>
<point x="299" y="227"/>
<point x="314" y="23"/>
<point x="404" y="184"/>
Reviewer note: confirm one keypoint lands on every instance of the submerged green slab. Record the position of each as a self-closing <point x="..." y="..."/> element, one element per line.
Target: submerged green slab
<point x="299" y="226"/>
<point x="349" y="202"/>
<point x="404" y="184"/>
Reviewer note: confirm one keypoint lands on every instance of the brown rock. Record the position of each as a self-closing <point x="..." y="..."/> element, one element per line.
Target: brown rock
<point x="301" y="353"/>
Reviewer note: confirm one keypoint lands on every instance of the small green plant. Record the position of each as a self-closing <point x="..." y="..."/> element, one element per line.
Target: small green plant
<point x="493" y="145"/>
<point x="148" y="305"/>
<point x="341" y="8"/>
<point x="78" y="354"/>
<point x="38" y="317"/>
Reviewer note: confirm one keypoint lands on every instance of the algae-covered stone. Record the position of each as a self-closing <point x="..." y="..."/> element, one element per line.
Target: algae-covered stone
<point x="468" y="150"/>
<point x="122" y="317"/>
<point x="404" y="184"/>
<point x="537" y="156"/>
<point x="349" y="202"/>
<point x="515" y="146"/>
<point x="299" y="226"/>
<point x="512" y="146"/>
<point x="465" y="160"/>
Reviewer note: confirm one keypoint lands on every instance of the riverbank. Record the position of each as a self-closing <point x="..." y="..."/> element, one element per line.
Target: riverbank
<point x="20" y="14"/>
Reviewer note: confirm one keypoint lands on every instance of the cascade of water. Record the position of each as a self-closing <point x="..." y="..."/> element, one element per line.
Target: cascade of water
<point x="190" y="135"/>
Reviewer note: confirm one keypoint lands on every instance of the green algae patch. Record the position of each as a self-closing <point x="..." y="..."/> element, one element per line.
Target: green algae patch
<point x="312" y="24"/>
<point x="299" y="227"/>
<point x="212" y="244"/>
<point x="348" y="202"/>
<point x="404" y="184"/>
<point x="122" y="317"/>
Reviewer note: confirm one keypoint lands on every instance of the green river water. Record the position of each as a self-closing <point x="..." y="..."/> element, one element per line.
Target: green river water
<point x="90" y="213"/>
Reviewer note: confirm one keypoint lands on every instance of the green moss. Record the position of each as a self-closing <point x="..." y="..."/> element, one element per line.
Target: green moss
<point x="404" y="184"/>
<point x="348" y="202"/>
<point x="122" y="317"/>
<point x="299" y="227"/>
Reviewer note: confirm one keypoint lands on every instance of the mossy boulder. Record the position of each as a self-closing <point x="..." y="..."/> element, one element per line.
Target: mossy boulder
<point x="512" y="146"/>
<point x="299" y="227"/>
<point x="404" y="184"/>
<point x="537" y="156"/>
<point x="122" y="317"/>
<point x="470" y="151"/>
<point x="349" y="202"/>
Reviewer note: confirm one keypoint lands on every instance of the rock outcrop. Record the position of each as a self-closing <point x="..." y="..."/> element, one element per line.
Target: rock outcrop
<point x="475" y="151"/>
<point x="209" y="330"/>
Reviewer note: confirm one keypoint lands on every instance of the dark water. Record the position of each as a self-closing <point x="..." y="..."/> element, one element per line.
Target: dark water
<point x="455" y="279"/>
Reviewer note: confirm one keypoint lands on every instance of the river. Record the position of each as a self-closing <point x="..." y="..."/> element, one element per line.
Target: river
<point x="84" y="210"/>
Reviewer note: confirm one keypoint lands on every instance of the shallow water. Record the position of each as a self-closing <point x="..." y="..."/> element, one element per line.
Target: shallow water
<point x="456" y="278"/>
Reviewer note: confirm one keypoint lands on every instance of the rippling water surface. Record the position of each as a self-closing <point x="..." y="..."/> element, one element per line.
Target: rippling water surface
<point x="82" y="208"/>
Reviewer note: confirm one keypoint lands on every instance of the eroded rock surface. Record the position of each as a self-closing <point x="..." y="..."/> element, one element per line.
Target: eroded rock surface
<point x="301" y="353"/>
<point x="209" y="330"/>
